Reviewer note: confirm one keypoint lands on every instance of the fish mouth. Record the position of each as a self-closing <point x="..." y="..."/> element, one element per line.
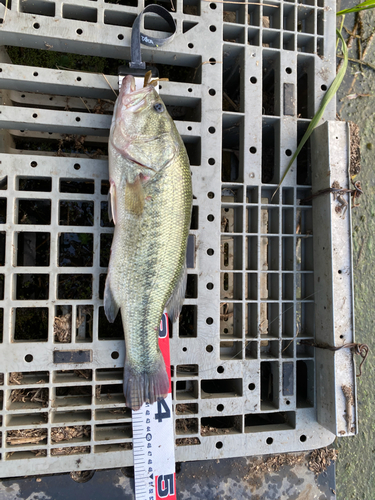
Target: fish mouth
<point x="132" y="99"/>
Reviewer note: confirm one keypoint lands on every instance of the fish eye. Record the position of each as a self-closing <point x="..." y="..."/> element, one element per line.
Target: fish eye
<point x="159" y="107"/>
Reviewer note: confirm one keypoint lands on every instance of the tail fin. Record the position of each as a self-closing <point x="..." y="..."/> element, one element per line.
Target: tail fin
<point x="141" y="387"/>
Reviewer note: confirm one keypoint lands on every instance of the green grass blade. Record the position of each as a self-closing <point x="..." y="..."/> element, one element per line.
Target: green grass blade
<point x="319" y="114"/>
<point x="368" y="4"/>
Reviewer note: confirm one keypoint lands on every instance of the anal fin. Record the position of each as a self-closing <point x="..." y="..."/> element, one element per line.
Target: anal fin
<point x="111" y="307"/>
<point x="176" y="300"/>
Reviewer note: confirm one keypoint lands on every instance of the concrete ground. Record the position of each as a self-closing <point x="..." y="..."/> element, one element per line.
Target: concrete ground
<point x="355" y="473"/>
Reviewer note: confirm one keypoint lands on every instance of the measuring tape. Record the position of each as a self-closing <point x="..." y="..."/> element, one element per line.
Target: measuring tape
<point x="153" y="439"/>
<point x="153" y="432"/>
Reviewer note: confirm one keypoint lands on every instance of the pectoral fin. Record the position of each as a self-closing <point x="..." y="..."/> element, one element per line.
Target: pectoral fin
<point x="176" y="300"/>
<point x="134" y="197"/>
<point x="112" y="202"/>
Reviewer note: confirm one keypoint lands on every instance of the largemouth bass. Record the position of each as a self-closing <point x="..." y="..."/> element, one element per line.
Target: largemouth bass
<point x="151" y="201"/>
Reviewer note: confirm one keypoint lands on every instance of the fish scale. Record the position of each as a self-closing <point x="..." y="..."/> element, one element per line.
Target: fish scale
<point x="151" y="197"/>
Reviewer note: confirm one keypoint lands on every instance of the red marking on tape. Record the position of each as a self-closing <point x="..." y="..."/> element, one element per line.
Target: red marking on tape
<point x="164" y="346"/>
<point x="165" y="487"/>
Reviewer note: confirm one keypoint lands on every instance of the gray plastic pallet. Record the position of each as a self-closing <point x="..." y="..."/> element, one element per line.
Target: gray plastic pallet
<point x="242" y="382"/>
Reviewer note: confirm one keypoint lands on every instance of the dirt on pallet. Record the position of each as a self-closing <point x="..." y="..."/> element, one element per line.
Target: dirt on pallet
<point x="62" y="328"/>
<point x="15" y="378"/>
<point x="186" y="408"/>
<point x="207" y="430"/>
<point x="187" y="441"/>
<point x="30" y="395"/>
<point x="186" y="426"/>
<point x="67" y="433"/>
<point x="70" y="451"/>
<point x="26" y="436"/>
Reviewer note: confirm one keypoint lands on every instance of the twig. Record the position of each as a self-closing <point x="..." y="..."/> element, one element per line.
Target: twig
<point x="88" y="109"/>
<point x="361" y="250"/>
<point x="352" y="36"/>
<point x="232" y="103"/>
<point x="358" y="61"/>
<point x="359" y="46"/>
<point x="361" y="349"/>
<point x="370" y="39"/>
<point x="106" y="79"/>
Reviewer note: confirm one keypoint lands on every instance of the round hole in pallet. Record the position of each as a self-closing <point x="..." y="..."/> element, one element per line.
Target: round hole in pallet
<point x="220" y="407"/>
<point x="209" y="321"/>
<point x="219" y="445"/>
<point x="211" y="130"/>
<point x="79" y="31"/>
<point x="251" y="387"/>
<point x="184" y="349"/>
<point x="210" y="251"/>
<point x="34" y="164"/>
<point x="302" y="438"/>
<point x="120" y="37"/>
<point x="212" y="92"/>
<point x="269" y="440"/>
<point x="210" y="286"/>
<point x="253" y="80"/>
<point x="210" y="218"/>
<point x="115" y="355"/>
<point x="253" y="150"/>
<point x="220" y="369"/>
<point x="209" y="348"/>
<point x="29" y="358"/>
<point x="77" y="166"/>
<point x="211" y="195"/>
<point x="211" y="161"/>
<point x="190" y="45"/>
<point x="213" y="28"/>
<point x="35" y="115"/>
